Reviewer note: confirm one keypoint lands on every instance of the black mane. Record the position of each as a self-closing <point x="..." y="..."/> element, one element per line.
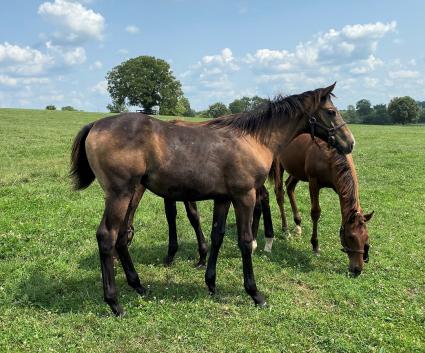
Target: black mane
<point x="261" y="121"/>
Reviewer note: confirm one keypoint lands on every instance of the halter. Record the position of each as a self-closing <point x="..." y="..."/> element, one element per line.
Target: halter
<point x="348" y="250"/>
<point x="330" y="130"/>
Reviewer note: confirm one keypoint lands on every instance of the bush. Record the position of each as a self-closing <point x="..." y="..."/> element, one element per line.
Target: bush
<point x="50" y="107"/>
<point x="68" y="108"/>
<point x="217" y="109"/>
<point x="403" y="110"/>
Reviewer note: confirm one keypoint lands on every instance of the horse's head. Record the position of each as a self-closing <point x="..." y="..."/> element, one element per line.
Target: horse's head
<point x="355" y="241"/>
<point x="326" y="122"/>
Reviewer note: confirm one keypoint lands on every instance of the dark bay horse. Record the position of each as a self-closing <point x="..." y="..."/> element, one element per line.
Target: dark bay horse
<point x="226" y="160"/>
<point x="324" y="167"/>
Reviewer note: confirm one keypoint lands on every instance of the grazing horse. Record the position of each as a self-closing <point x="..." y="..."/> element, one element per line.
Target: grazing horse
<point x="321" y="166"/>
<point x="226" y="160"/>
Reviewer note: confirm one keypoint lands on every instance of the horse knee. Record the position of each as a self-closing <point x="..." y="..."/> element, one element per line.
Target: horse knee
<point x="105" y="241"/>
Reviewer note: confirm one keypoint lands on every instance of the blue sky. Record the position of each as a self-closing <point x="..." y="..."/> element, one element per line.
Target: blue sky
<point x="59" y="51"/>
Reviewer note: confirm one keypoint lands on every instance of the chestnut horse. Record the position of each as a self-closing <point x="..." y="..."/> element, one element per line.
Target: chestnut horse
<point x="313" y="161"/>
<point x="226" y="160"/>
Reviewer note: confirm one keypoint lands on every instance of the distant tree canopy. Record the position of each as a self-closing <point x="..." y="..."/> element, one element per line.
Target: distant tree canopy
<point x="403" y="110"/>
<point x="245" y="104"/>
<point x="183" y="107"/>
<point x="116" y="108"/>
<point x="68" y="108"/>
<point x="145" y="82"/>
<point x="217" y="109"/>
<point x="50" y="107"/>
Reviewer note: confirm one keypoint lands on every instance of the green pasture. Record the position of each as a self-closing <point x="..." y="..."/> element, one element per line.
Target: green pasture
<point x="50" y="286"/>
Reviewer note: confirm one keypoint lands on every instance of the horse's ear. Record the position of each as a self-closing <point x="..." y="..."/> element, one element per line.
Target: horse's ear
<point x="327" y="91"/>
<point x="368" y="216"/>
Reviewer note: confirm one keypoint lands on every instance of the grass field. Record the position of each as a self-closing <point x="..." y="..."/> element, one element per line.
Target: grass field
<point x="50" y="287"/>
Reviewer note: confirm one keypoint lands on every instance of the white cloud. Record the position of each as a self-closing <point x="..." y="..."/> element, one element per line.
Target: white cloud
<point x="22" y="60"/>
<point x="100" y="87"/>
<point x="132" y="29"/>
<point x="368" y="65"/>
<point x="370" y="30"/>
<point x="96" y="65"/>
<point x="225" y="59"/>
<point x="79" y="22"/>
<point x="403" y="74"/>
<point x="69" y="56"/>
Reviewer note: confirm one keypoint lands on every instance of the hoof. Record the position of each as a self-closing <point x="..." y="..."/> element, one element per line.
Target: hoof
<point x="259" y="300"/>
<point x="141" y="290"/>
<point x="298" y="231"/>
<point x="200" y="265"/>
<point x="286" y="234"/>
<point x="117" y="310"/>
<point x="168" y="261"/>
<point x="269" y="244"/>
<point x="263" y="305"/>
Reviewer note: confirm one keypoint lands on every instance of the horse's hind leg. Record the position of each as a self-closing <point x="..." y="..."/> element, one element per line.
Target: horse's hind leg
<point x="112" y="234"/>
<point x="267" y="219"/>
<point x="280" y="194"/>
<point x="193" y="215"/>
<point x="135" y="200"/>
<point x="291" y="183"/>
<point x="315" y="213"/>
<point x="171" y="214"/>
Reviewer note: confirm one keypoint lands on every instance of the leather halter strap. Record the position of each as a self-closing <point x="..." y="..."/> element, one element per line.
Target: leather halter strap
<point x="314" y="124"/>
<point x="345" y="248"/>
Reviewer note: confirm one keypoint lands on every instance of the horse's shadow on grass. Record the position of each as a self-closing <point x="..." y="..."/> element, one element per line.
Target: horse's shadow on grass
<point x="85" y="294"/>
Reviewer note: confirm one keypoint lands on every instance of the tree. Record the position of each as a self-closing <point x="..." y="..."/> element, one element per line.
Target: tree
<point x="116" y="108"/>
<point x="50" y="107"/>
<point x="350" y="115"/>
<point x="403" y="110"/>
<point x="183" y="107"/>
<point x="146" y="82"/>
<point x="380" y="115"/>
<point x="257" y="101"/>
<point x="217" y="109"/>
<point x="68" y="108"/>
<point x="363" y="109"/>
<point x="240" y="105"/>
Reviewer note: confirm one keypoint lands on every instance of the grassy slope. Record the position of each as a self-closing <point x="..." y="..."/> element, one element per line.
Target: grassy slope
<point x="50" y="288"/>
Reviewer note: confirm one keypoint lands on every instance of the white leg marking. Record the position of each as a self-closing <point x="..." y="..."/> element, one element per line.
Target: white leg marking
<point x="269" y="244"/>
<point x="298" y="231"/>
<point x="253" y="246"/>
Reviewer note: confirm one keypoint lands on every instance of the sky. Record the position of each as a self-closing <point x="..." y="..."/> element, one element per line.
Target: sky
<point x="59" y="51"/>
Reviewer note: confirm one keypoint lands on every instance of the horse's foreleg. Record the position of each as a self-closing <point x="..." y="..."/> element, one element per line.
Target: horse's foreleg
<point x="291" y="183"/>
<point x="193" y="215"/>
<point x="267" y="219"/>
<point x="221" y="208"/>
<point x="244" y="207"/>
<point x="111" y="234"/>
<point x="280" y="194"/>
<point x="315" y="212"/>
<point x="171" y="214"/>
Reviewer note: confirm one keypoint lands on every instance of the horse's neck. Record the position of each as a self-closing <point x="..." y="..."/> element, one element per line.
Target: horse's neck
<point x="346" y="185"/>
<point x="284" y="133"/>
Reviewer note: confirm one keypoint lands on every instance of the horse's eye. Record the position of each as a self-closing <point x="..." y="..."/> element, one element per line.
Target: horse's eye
<point x="331" y="112"/>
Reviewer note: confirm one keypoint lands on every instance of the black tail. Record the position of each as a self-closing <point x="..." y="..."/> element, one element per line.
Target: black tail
<point x="80" y="172"/>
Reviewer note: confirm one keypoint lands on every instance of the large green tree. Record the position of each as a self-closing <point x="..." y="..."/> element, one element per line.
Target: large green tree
<point x="403" y="110"/>
<point x="363" y="109"/>
<point x="144" y="81"/>
<point x="245" y="104"/>
<point x="217" y="109"/>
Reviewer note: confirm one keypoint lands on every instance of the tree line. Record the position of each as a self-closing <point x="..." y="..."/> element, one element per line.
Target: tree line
<point x="400" y="110"/>
<point x="149" y="83"/>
